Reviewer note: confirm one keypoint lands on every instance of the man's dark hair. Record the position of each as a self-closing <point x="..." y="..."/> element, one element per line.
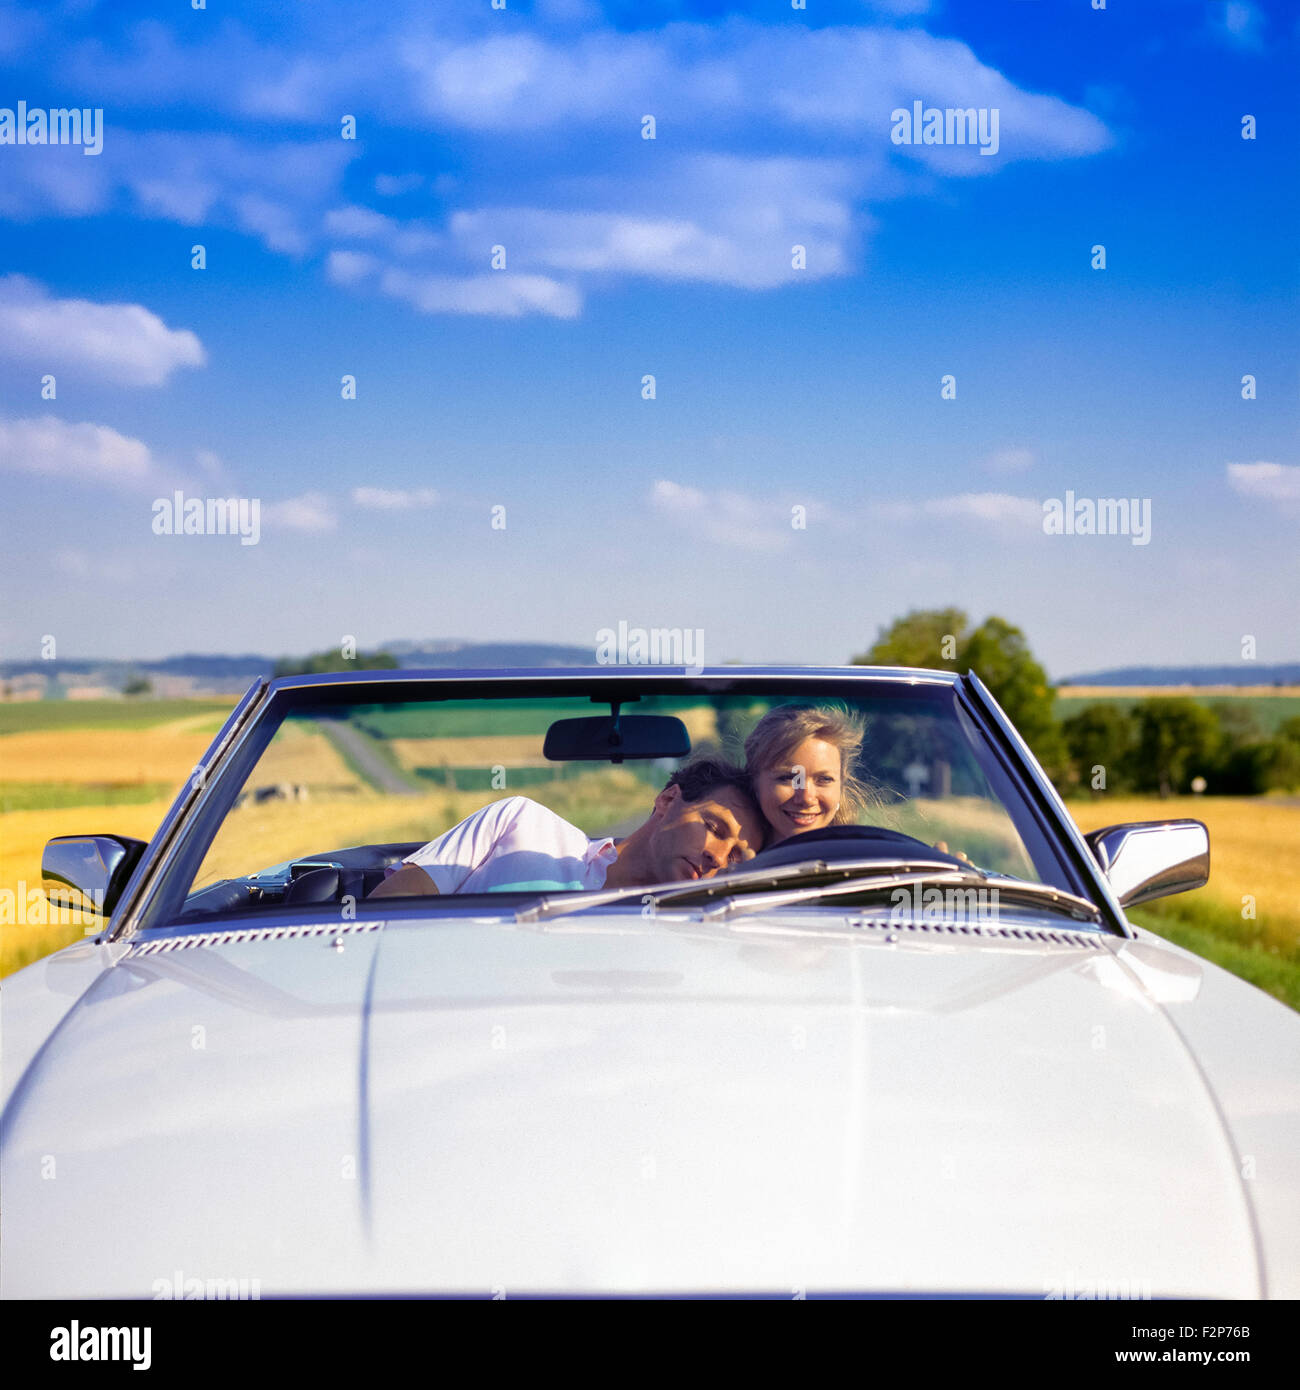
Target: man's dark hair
<point x="703" y="775"/>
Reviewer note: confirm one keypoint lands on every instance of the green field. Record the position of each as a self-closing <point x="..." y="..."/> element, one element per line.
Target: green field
<point x="48" y="796"/>
<point x="470" y="718"/>
<point x="1217" y="933"/>
<point x="29" y="716"/>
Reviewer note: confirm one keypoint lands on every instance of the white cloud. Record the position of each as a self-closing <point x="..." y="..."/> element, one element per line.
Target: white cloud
<point x="394" y="185"/>
<point x="53" y="448"/>
<point x="53" y="181"/>
<point x="726" y="518"/>
<point x="276" y="191"/>
<point x="350" y="267"/>
<point x="999" y="508"/>
<point x="410" y="238"/>
<point x="353" y="223"/>
<point x="496" y="294"/>
<point x="1278" y="482"/>
<point x="989" y="508"/>
<point x="210" y="467"/>
<point x="122" y="343"/>
<point x="274" y="223"/>
<point x="393" y="499"/>
<point x="840" y="81"/>
<point x="73" y="561"/>
<point x="1238" y="22"/>
<point x="83" y="565"/>
<point x="677" y="497"/>
<point x="714" y="218"/>
<point x="311" y="512"/>
<point x="717" y="218"/>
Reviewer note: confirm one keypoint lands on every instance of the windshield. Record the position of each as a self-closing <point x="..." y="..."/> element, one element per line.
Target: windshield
<point x="463" y="796"/>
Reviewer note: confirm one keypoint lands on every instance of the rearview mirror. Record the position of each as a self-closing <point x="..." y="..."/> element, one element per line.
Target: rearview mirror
<point x="612" y="738"/>
<point x="88" y="872"/>
<point x="1151" y="859"/>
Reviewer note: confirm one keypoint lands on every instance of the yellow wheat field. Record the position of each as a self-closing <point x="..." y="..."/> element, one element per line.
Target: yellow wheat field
<point x="163" y="754"/>
<point x="511" y="750"/>
<point x="22" y="839"/>
<point x="303" y="757"/>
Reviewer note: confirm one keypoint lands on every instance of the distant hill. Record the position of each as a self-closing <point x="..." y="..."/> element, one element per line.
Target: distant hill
<point x="469" y="655"/>
<point x="1243" y="673"/>
<point x="191" y="664"/>
<point x="195" y="673"/>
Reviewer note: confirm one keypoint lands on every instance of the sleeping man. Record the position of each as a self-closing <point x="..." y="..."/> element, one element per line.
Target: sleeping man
<point x="704" y="820"/>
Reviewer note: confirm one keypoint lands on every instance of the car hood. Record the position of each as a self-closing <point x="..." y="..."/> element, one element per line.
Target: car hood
<point x="607" y="1102"/>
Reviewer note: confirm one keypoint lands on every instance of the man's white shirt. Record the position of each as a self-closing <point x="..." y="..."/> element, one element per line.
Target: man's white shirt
<point x="514" y="844"/>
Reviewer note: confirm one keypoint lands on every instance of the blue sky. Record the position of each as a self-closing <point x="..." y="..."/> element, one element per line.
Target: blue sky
<point x="776" y="388"/>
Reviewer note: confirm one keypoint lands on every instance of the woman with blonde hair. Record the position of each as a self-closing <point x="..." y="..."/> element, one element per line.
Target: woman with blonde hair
<point x="800" y="760"/>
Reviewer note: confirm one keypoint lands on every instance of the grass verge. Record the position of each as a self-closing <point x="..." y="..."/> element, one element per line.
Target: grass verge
<point x="31" y="716"/>
<point x="1218" y="934"/>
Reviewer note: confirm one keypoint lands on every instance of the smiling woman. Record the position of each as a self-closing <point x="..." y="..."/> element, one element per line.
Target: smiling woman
<point x="801" y="759"/>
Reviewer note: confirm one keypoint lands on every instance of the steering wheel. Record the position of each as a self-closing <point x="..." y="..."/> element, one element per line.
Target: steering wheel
<point x="847" y="842"/>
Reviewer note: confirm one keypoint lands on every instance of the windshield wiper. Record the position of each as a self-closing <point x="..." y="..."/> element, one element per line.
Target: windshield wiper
<point x="721" y="886"/>
<point x="1038" y="895"/>
<point x="803" y="882"/>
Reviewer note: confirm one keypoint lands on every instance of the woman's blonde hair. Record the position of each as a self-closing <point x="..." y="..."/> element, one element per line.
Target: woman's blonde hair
<point x="784" y="727"/>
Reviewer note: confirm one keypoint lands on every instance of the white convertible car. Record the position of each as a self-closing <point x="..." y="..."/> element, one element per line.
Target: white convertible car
<point x="921" y="1054"/>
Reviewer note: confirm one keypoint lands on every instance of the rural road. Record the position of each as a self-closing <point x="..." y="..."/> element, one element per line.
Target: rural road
<point x="357" y="747"/>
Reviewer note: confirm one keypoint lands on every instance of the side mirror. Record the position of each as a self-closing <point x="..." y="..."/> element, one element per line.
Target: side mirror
<point x="88" y="872"/>
<point x="1151" y="859"/>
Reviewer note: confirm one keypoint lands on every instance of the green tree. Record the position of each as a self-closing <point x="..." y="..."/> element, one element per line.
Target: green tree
<point x="322" y="663"/>
<point x="1265" y="764"/>
<point x="1238" y="725"/>
<point x="1177" y="739"/>
<point x="1270" y="765"/>
<point x="998" y="653"/>
<point x="136" y="684"/>
<point x="1281" y="765"/>
<point x="922" y="638"/>
<point x="1099" y="736"/>
<point x="1241" y="758"/>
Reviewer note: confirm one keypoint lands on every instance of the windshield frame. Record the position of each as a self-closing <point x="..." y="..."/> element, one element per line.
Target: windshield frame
<point x="173" y="866"/>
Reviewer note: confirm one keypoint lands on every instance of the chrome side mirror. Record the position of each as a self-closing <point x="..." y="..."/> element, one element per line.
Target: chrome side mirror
<point x="88" y="872"/>
<point x="1151" y="859"/>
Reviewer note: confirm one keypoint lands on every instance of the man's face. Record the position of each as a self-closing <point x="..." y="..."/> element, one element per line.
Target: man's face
<point x="694" y="839"/>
